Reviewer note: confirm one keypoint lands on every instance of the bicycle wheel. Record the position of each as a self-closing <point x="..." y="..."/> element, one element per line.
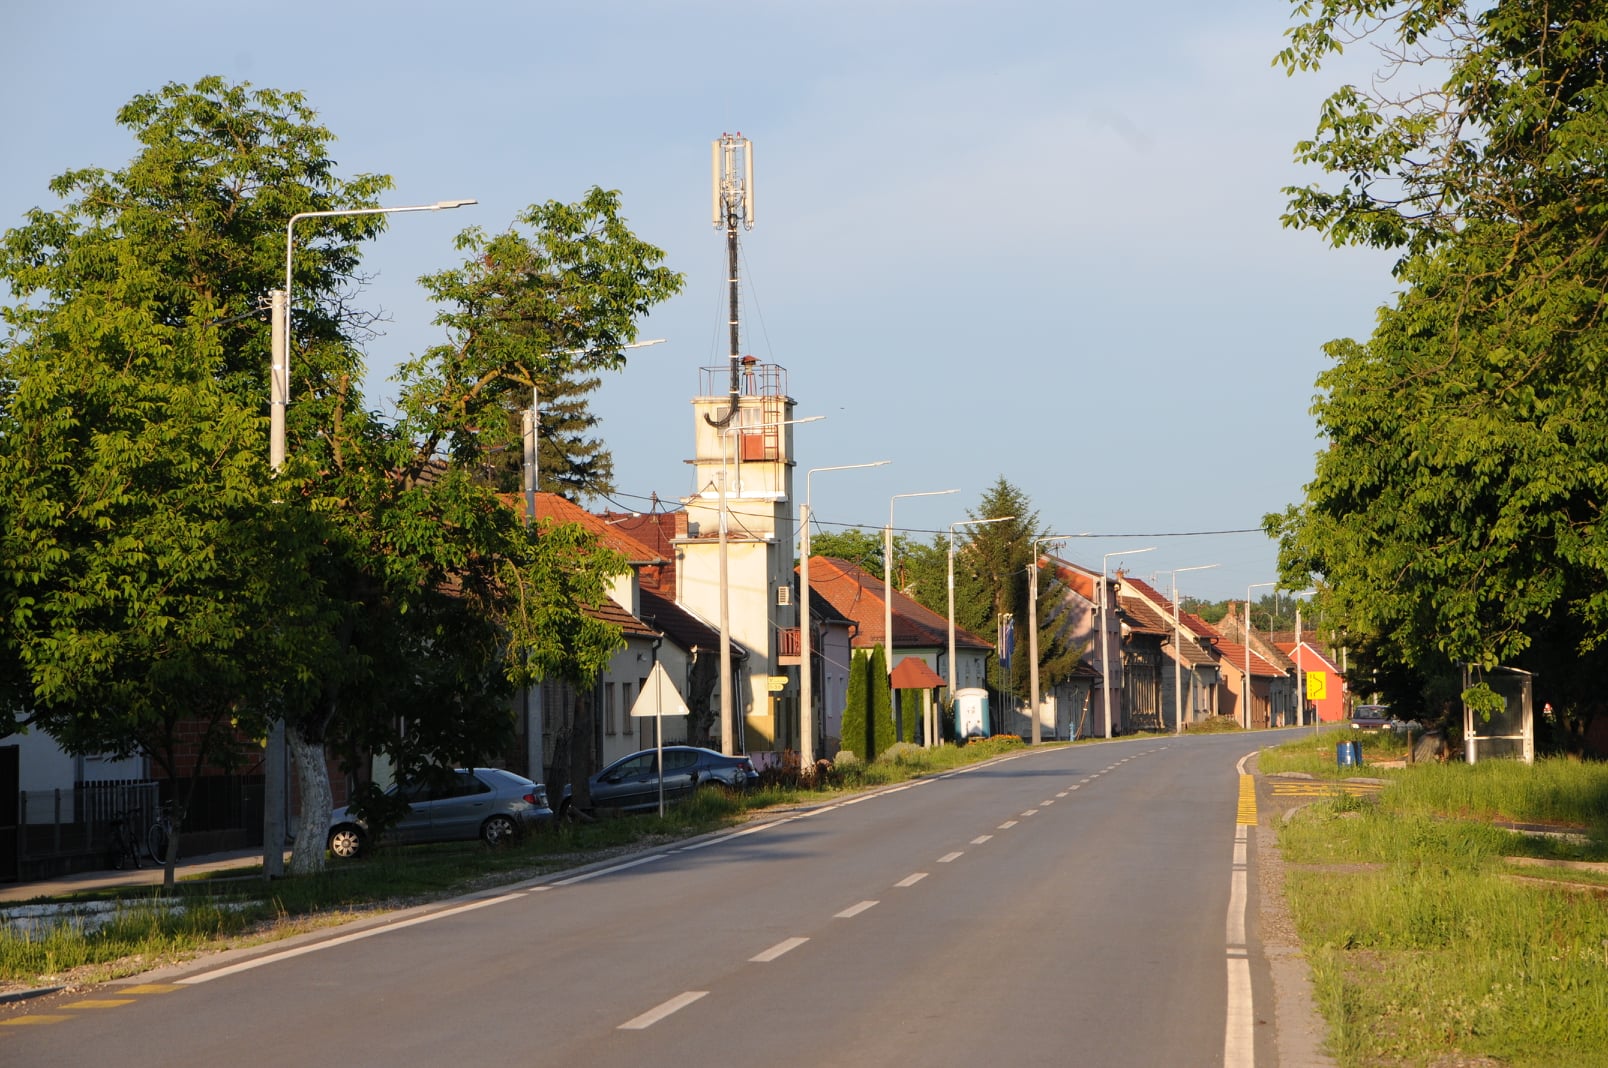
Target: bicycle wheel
<point x="156" y="840"/>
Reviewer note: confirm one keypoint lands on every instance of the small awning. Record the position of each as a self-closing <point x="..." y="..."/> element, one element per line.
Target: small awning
<point x="913" y="674"/>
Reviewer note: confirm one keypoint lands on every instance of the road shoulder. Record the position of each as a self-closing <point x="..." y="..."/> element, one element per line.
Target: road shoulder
<point x="1298" y="1026"/>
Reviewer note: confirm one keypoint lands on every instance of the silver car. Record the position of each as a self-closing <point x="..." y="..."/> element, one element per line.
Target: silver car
<point x="491" y="804"/>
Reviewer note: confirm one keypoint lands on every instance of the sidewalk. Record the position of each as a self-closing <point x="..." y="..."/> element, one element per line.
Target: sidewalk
<point x="243" y="859"/>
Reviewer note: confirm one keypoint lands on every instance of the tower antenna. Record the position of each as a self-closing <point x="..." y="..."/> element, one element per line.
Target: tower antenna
<point x="731" y="166"/>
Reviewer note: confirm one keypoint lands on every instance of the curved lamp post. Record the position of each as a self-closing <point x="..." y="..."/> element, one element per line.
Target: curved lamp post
<point x="1178" y="646"/>
<point x="273" y="806"/>
<point x="728" y="726"/>
<point x="806" y="680"/>
<point x="887" y="596"/>
<point x="1247" y="637"/>
<point x="1105" y="632"/>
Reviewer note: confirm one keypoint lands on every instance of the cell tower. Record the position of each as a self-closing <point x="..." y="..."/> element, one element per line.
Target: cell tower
<point x="731" y="172"/>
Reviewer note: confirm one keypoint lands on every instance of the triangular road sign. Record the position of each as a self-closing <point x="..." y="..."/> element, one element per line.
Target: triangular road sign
<point x="659" y="697"/>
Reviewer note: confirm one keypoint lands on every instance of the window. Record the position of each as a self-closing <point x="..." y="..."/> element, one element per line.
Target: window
<point x="608" y="708"/>
<point x="629" y="725"/>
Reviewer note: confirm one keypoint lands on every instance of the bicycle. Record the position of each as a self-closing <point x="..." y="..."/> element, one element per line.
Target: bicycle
<point x="161" y="832"/>
<point x="122" y="849"/>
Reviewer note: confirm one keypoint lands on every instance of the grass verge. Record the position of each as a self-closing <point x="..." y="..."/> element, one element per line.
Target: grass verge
<point x="1427" y="945"/>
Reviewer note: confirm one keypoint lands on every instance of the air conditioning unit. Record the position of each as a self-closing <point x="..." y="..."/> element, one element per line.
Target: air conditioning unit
<point x="784" y="595"/>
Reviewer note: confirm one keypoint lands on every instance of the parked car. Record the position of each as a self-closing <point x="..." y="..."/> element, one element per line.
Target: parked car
<point x="631" y="784"/>
<point x="491" y="804"/>
<point x="1371" y="718"/>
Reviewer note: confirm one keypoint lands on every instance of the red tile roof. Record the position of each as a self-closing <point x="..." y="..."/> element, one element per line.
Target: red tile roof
<point x="1234" y="654"/>
<point x="551" y="508"/>
<point x="859" y="595"/>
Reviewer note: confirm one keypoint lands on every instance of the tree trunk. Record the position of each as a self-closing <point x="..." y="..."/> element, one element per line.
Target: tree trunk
<point x="312" y="783"/>
<point x="580" y="752"/>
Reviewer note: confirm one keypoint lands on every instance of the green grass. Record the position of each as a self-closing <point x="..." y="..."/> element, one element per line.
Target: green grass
<point x="1425" y="944"/>
<point x="228" y="910"/>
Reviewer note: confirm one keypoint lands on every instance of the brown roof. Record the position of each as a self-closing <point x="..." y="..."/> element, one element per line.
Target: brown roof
<point x="681" y="626"/>
<point x="913" y="674"/>
<point x="860" y="595"/>
<point x="1308" y="651"/>
<point x="1234" y="654"/>
<point x="1142" y="617"/>
<point x="609" y="612"/>
<point x="551" y="508"/>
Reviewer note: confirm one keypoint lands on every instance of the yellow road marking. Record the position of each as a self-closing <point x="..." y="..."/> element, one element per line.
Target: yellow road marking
<point x="1324" y="789"/>
<point x="25" y="1021"/>
<point x="150" y="988"/>
<point x="1247" y="801"/>
<point x="100" y="1003"/>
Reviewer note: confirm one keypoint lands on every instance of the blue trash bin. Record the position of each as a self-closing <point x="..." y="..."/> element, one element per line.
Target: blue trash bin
<point x="1348" y="754"/>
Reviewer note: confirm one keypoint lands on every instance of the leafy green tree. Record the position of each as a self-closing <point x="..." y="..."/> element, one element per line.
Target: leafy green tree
<point x="1456" y="515"/>
<point x="149" y="567"/>
<point x="157" y="573"/>
<point x="548" y="304"/>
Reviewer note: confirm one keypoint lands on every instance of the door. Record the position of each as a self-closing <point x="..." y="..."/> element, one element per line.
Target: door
<point x="461" y="803"/>
<point x="10" y="807"/>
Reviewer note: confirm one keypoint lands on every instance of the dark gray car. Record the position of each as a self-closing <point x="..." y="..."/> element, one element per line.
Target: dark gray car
<point x="631" y="784"/>
<point x="486" y="803"/>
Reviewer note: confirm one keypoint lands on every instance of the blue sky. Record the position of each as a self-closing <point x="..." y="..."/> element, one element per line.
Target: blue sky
<point x="1030" y="239"/>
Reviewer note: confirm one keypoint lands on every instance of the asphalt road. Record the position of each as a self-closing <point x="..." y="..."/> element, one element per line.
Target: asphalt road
<point x="1071" y="906"/>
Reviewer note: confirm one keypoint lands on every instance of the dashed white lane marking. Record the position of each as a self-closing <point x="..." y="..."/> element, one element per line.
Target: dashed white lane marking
<point x="654" y="1015"/>
<point x="854" y="910"/>
<point x="1047" y="802"/>
<point x="785" y="946"/>
<point x="1007" y="825"/>
<point x="948" y="857"/>
<point x="1031" y="812"/>
<point x="980" y="839"/>
<point x="1063" y="793"/>
<point x="911" y="879"/>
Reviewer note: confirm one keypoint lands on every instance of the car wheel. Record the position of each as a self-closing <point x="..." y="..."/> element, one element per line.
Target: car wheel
<point x="346" y="842"/>
<point x="498" y="830"/>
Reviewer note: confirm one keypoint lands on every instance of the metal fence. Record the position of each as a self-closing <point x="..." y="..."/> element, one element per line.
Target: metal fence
<point x="74" y="824"/>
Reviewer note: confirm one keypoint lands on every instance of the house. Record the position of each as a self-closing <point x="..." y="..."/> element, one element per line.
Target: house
<point x="1098" y="634"/>
<point x="655" y="629"/>
<point x="831" y="651"/>
<point x="1190" y="684"/>
<point x="918" y="631"/>
<point x="1323" y="685"/>
<point x="1271" y="685"/>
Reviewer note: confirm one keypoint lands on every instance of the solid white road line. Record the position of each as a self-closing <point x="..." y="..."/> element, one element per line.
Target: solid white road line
<point x="1239" y="1035"/>
<point x="272" y="958"/>
<point x="784" y="946"/>
<point x="654" y="1015"/>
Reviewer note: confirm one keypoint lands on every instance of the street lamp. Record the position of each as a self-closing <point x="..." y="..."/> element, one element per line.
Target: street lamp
<point x="1247" y="637"/>
<point x="728" y="726"/>
<point x="280" y="378"/>
<point x="1178" y="649"/>
<point x="1300" y="676"/>
<point x="1105" y="633"/>
<point x="806" y="681"/>
<point x="273" y="808"/>
<point x="952" y="526"/>
<point x="1032" y="628"/>
<point x="887" y="598"/>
